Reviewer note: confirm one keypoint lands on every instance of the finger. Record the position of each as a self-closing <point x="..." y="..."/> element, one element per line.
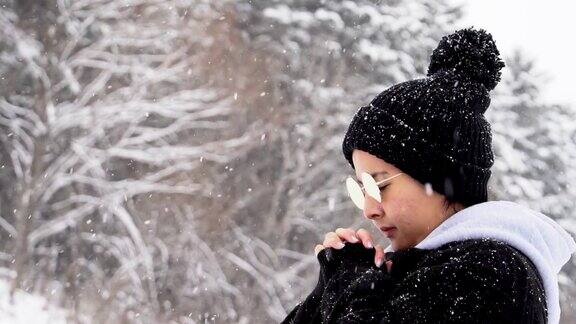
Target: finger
<point x="389" y="265"/>
<point x="318" y="248"/>
<point x="379" y="255"/>
<point x="366" y="238"/>
<point x="332" y="239"/>
<point x="348" y="234"/>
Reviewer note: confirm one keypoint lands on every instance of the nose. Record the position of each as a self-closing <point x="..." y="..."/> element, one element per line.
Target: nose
<point x="372" y="208"/>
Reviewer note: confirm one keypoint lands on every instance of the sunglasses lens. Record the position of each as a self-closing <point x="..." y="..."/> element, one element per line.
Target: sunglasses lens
<point x="371" y="187"/>
<point x="355" y="192"/>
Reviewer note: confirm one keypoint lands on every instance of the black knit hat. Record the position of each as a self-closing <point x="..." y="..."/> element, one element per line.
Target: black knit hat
<point x="434" y="128"/>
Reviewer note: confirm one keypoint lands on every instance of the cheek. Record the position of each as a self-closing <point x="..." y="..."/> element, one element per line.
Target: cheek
<point x="408" y="215"/>
<point x="404" y="211"/>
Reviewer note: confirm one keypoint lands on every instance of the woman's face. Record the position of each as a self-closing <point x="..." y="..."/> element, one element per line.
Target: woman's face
<point x="406" y="204"/>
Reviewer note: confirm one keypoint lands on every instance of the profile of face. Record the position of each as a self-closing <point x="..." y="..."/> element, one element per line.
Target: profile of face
<point x="406" y="204"/>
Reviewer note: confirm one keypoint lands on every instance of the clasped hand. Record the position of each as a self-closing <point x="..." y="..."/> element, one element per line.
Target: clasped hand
<point x="335" y="240"/>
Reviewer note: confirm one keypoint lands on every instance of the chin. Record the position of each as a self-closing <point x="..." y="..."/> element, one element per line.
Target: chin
<point x="398" y="245"/>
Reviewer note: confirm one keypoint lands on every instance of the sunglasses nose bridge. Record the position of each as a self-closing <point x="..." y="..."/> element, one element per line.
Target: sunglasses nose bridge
<point x="357" y="193"/>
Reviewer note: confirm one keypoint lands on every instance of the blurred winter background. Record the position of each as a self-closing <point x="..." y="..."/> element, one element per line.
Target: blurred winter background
<point x="176" y="161"/>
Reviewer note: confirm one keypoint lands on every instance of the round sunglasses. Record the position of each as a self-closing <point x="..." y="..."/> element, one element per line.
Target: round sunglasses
<point x="356" y="191"/>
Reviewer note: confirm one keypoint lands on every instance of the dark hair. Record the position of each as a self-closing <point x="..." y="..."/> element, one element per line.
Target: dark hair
<point x="451" y="202"/>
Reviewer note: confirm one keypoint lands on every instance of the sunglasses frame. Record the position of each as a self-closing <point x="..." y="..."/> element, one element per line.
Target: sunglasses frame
<point x="373" y="187"/>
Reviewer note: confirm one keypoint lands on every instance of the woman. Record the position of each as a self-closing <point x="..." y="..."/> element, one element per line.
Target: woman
<point x="422" y="150"/>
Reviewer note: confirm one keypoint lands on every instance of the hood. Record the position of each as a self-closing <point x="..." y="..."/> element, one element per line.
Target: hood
<point x="536" y="235"/>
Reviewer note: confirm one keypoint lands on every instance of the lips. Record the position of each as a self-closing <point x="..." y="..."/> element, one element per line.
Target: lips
<point x="388" y="230"/>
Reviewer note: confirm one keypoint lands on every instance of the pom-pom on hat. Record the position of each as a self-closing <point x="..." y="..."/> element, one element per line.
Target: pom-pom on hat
<point x="434" y="128"/>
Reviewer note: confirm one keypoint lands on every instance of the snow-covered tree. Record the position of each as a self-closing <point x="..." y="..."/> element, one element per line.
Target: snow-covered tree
<point x="99" y="109"/>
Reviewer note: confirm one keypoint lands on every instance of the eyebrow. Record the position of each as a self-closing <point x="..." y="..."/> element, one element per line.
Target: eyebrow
<point x="374" y="174"/>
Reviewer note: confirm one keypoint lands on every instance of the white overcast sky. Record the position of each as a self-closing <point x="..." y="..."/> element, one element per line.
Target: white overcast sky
<point x="545" y="30"/>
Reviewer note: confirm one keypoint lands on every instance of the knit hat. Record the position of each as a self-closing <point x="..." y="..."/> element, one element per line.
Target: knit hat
<point x="433" y="128"/>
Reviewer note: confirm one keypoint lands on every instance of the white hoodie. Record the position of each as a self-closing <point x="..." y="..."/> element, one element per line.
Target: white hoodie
<point x="536" y="235"/>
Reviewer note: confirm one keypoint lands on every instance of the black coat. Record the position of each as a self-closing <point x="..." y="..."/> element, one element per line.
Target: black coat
<point x="471" y="281"/>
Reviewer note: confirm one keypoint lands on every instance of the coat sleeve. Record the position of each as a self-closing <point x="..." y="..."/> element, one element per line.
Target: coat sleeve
<point x="308" y="311"/>
<point x="489" y="283"/>
<point x="341" y="266"/>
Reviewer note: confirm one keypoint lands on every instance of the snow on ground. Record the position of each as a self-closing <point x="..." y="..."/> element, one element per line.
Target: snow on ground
<point x="27" y="308"/>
